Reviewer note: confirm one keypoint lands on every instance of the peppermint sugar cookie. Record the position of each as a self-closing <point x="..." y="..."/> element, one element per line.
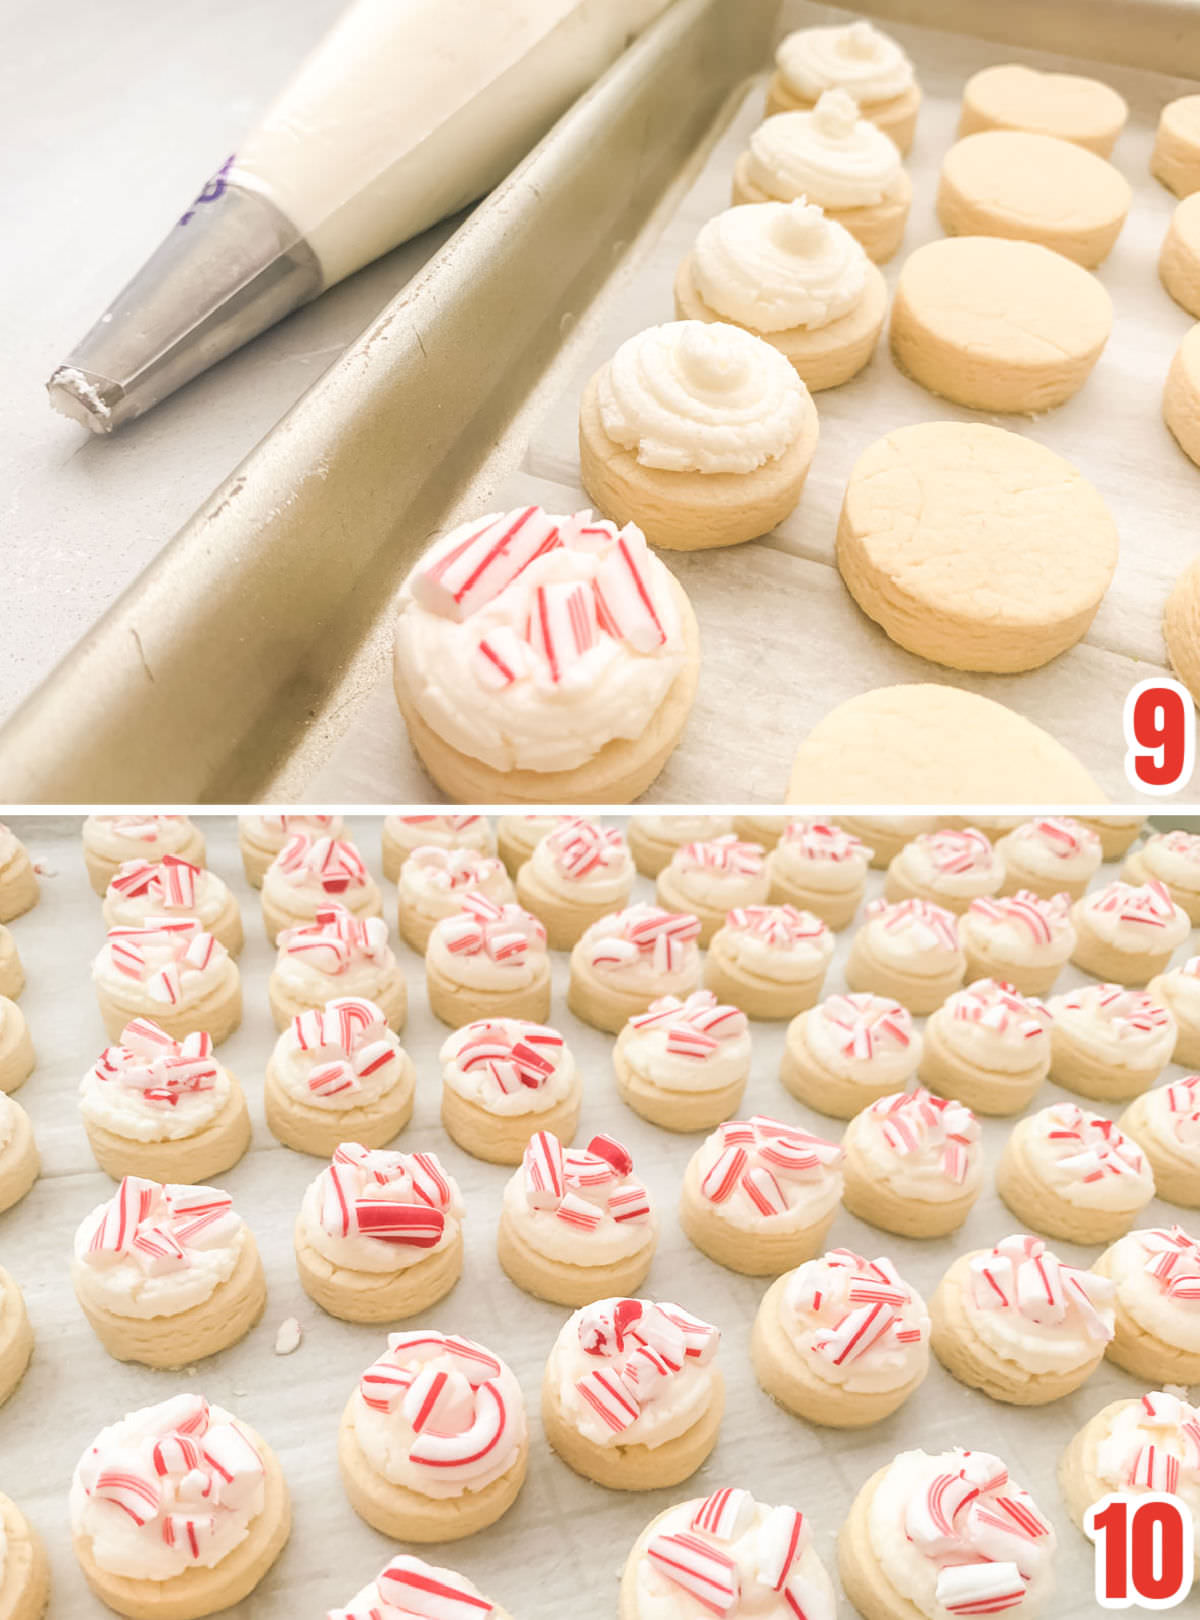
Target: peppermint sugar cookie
<point x="1181" y="395"/>
<point x="1116" y="832"/>
<point x="1179" y="260"/>
<point x="913" y="1164"/>
<point x="404" y="834"/>
<point x="177" y="1510"/>
<point x="886" y="836"/>
<point x="627" y="961"/>
<point x="908" y="952"/>
<point x="338" y="1074"/>
<point x="310" y="872"/>
<point x="1165" y="1123"/>
<point x="1074" y="1175"/>
<point x="172" y="973"/>
<point x="433" y="1442"/>
<point x="764" y="830"/>
<point x="1176" y="156"/>
<point x="17" y="1058"/>
<point x="544" y="660"/>
<point x="20" y="1163"/>
<point x="16" y="1336"/>
<point x="760" y="1196"/>
<point x="410" y="1586"/>
<point x="1156" y="1277"/>
<point x="1108" y="1042"/>
<point x="1128" y="932"/>
<point x="684" y="1064"/>
<point x="789" y="275"/>
<point x="854" y="57"/>
<point x="1010" y="95"/>
<point x="12" y="974"/>
<point x="260" y="838"/>
<point x="848" y="1051"/>
<point x="167" y="1275"/>
<point x="518" y="836"/>
<point x="1178" y="991"/>
<point x="433" y="882"/>
<point x="820" y="867"/>
<point x="932" y="1536"/>
<point x="336" y="955"/>
<point x="379" y="1235"/>
<point x="1050" y="855"/>
<point x="632" y="1395"/>
<point x="144" y="892"/>
<point x="503" y="1081"/>
<point x="575" y="1222"/>
<point x="950" y="868"/>
<point x="1016" y="1323"/>
<point x="654" y="839"/>
<point x="577" y="874"/>
<point x="24" y="1567"/>
<point x="699" y="433"/>
<point x="18" y="881"/>
<point x="1019" y="939"/>
<point x="987" y="1046"/>
<point x="488" y="960"/>
<point x="770" y="961"/>
<point x="109" y="841"/>
<point x="1173" y="858"/>
<point x="841" y="1341"/>
<point x="711" y="879"/>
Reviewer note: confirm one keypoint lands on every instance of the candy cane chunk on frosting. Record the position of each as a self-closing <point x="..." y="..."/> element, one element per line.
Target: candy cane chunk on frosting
<point x="171" y="972"/>
<point x="1156" y="1278"/>
<point x="145" y="891"/>
<point x="433" y="882"/>
<point x="177" y="1509"/>
<point x="950" y="868"/>
<point x="18" y="881"/>
<point x="1165" y="1123"/>
<point x="858" y="58"/>
<point x="913" y="1164"/>
<point x="944" y="1535"/>
<point x="1074" y="1175"/>
<point x="988" y="1046"/>
<point x="504" y="1080"/>
<point x="338" y="1074"/>
<point x="24" y="1567"/>
<point x="631" y="959"/>
<point x="1021" y="939"/>
<point x="848" y="1051"/>
<point x="167" y="1274"/>
<point x="1108" y="1042"/>
<point x="433" y="1442"/>
<point x="820" y="867"/>
<point x="260" y="838"/>
<point x="518" y="836"/>
<point x="654" y="839"/>
<point x="1050" y="855"/>
<point x="17" y="1058"/>
<point x="577" y="874"/>
<point x="842" y="1341"/>
<point x="403" y="834"/>
<point x="760" y="1196"/>
<point x="712" y="877"/>
<point x="1019" y="1325"/>
<point x="309" y="873"/>
<point x="909" y="951"/>
<point x="19" y="1160"/>
<point x="684" y="1064"/>
<point x="726" y="1554"/>
<point x="544" y="659"/>
<point x="770" y="961"/>
<point x="12" y="974"/>
<point x="1179" y="990"/>
<point x="335" y="955"/>
<point x="632" y="1396"/>
<point x="163" y="1109"/>
<point x="109" y="841"/>
<point x="576" y="1223"/>
<point x="379" y="1235"/>
<point x="697" y="431"/>
<point x="1172" y="859"/>
<point x="1128" y="932"/>
<point x="489" y="960"/>
<point x="409" y="1586"/>
<point x="16" y="1335"/>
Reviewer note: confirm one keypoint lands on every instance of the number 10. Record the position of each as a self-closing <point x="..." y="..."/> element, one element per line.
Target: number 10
<point x="1144" y="1550"/>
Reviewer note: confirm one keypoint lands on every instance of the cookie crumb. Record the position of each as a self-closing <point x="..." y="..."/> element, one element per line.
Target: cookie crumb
<point x="288" y="1338"/>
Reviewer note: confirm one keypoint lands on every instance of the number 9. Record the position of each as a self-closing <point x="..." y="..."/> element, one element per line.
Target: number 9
<point x="1160" y="736"/>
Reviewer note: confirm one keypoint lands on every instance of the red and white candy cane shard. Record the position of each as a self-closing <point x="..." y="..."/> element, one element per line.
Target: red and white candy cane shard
<point x="868" y="1024"/>
<point x="176" y="1454"/>
<point x="724" y="854"/>
<point x="784" y="926"/>
<point x="383" y="1385"/>
<point x="782" y="1537"/>
<point x="409" y="1226"/>
<point x="604" y="1391"/>
<point x="1181" y="1099"/>
<point x="710" y="1575"/>
<point x="430" y="1182"/>
<point x="544" y="1170"/>
<point x="824" y="841"/>
<point x="236" y="1463"/>
<point x="980" y="1588"/>
<point x="562" y="625"/>
<point x="956" y="851"/>
<point x="469" y="1445"/>
<point x="439" y="1399"/>
<point x="128" y="1486"/>
<point x="764" y="1192"/>
<point x="1155" y="1468"/>
<point x="415" y="1588"/>
<point x="501" y="658"/>
<point x="190" y="1531"/>
<point x="625" y="604"/>
<point x="577" y="1213"/>
<point x="726" y="1514"/>
<point x="725" y="1175"/>
<point x="1037" y="917"/>
<point x="467" y="571"/>
<point x="1148" y="905"/>
<point x="629" y="1203"/>
<point x="930" y="927"/>
<point x="619" y="1156"/>
<point x="1090" y="1146"/>
<point x="124" y="1213"/>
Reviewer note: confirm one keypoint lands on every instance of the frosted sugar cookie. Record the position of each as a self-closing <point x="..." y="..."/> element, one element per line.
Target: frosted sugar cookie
<point x="632" y="1396"/>
<point x="1165" y="1123"/>
<point x="17" y="1058"/>
<point x="544" y="660"/>
<point x="404" y="834"/>
<point x="627" y="961"/>
<point x="1116" y="832"/>
<point x="841" y="1341"/>
<point x="1013" y="96"/>
<point x="854" y="57"/>
<point x="19" y="1160"/>
<point x="909" y="952"/>
<point x="18" y="881"/>
<point x="1128" y="932"/>
<point x="711" y="879"/>
<point x="729" y="1550"/>
<point x="149" y="892"/>
<point x="1037" y="188"/>
<point x="487" y="961"/>
<point x="929" y="1536"/>
<point x="1073" y="1175"/>
<point x="409" y="1585"/>
<point x="16" y="1336"/>
<point x="1156" y="1276"/>
<point x="577" y="874"/>
<point x="764" y="830"/>
<point x="684" y="1064"/>
<point x="944" y="525"/>
<point x="848" y="1051"/>
<point x="518" y="837"/>
<point x="998" y="325"/>
<point x="1019" y="938"/>
<point x="913" y="1164"/>
<point x="1178" y="992"/>
<point x="433" y="1443"/>
<point x="156" y="1107"/>
<point x="338" y="1075"/>
<point x="1050" y="855"/>
<point x="1176" y="156"/>
<point x="167" y="1275"/>
<point x="760" y="1196"/>
<point x="109" y="841"/>
<point x="1179" y="260"/>
<point x="886" y="836"/>
<point x="1019" y="1325"/>
<point x="177" y="1510"/>
<point x="654" y="839"/>
<point x="379" y="1235"/>
<point x="504" y="1080"/>
<point x="307" y="874"/>
<point x="12" y="974"/>
<point x="336" y="955"/>
<point x="987" y="1046"/>
<point x="820" y="867"/>
<point x="830" y="156"/>
<point x="789" y="275"/>
<point x="1173" y="858"/>
<point x="575" y="1223"/>
<point x="260" y="838"/>
<point x="770" y="961"/>
<point x="24" y="1567"/>
<point x="171" y="972"/>
<point x="949" y="868"/>
<point x="699" y="433"/>
<point x="1109" y="1042"/>
<point x="1181" y="395"/>
<point x="433" y="882"/>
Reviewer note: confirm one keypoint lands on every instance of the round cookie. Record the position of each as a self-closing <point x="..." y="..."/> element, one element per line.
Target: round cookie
<point x="1181" y="396"/>
<point x="16" y="1335"/>
<point x="505" y="1080"/>
<point x="25" y="1573"/>
<point x="858" y="58"/>
<point x="1157" y="1327"/>
<point x="407" y="1581"/>
<point x="988" y="1047"/>
<point x="1108" y="1042"/>
<point x="1176" y="156"/>
<point x="1165" y="1123"/>
<point x="1049" y="856"/>
<point x="1010" y="95"/>
<point x="1181" y="628"/>
<point x="20" y="1162"/>
<point x="1179" y="260"/>
<point x="913" y="1164"/>
<point x="1179" y="992"/>
<point x="998" y="325"/>
<point x="1073" y="1175"/>
<point x="849" y="1051"/>
<point x="17" y="1057"/>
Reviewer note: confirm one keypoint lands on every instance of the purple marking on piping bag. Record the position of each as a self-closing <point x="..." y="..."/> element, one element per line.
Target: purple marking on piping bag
<point x="212" y="188"/>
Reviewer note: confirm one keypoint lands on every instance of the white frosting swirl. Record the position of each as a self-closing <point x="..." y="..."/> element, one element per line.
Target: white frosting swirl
<point x="433" y="880"/>
<point x="175" y="963"/>
<point x="124" y="837"/>
<point x="855" y="57"/>
<point x="508" y="1066"/>
<point x="856" y="1323"/>
<point x="913" y="935"/>
<point x="153" y="1250"/>
<point x="721" y="873"/>
<point x="486" y="946"/>
<point x="990" y="1026"/>
<point x="407" y="1577"/>
<point x="822" y="856"/>
<point x="691" y="1046"/>
<point x="1180" y="989"/>
<point x="1157" y="1277"/>
<point x="868" y="1039"/>
<point x="142" y="892"/>
<point x="920" y="1146"/>
<point x="1085" y="1159"/>
<point x="779" y="266"/>
<point x="1168" y="1115"/>
<point x="310" y="872"/>
<point x="828" y="156"/>
<point x="644" y="948"/>
<point x="1123" y="1028"/>
<point x="337" y="954"/>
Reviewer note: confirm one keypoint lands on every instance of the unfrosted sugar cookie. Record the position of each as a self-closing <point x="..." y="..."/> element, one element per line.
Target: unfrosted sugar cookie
<point x="337" y="954"/>
<point x="1019" y="938"/>
<point x="913" y="1164"/>
<point x="18" y="880"/>
<point x="627" y="961"/>
<point x="20" y="1163"/>
<point x="988" y="1047"/>
<point x="1013" y="96"/>
<point x="487" y="961"/>
<point x="110" y="840"/>
<point x="713" y="878"/>
<point x="310" y="872"/>
<point x="1109" y="1042"/>
<point x="998" y="325"/>
<point x="1174" y="859"/>
<point x="1156" y="1277"/>
<point x="403" y="834"/>
<point x="684" y="1064"/>
<point x="1176" y="156"/>
<point x="577" y="874"/>
<point x="433" y="883"/>
<point x="910" y="951"/>
<point x="409" y="1585"/>
<point x="1181" y="396"/>
<point x="950" y="868"/>
<point x="503" y="1081"/>
<point x="1050" y="855"/>
<point x="855" y="57"/>
<point x="1074" y="1175"/>
<point x="16" y="1335"/>
<point x="770" y="961"/>
<point x="848" y="1051"/>
<point x="24" y="1566"/>
<point x="146" y="891"/>
<point x="260" y="838"/>
<point x="654" y="839"/>
<point x="1128" y="931"/>
<point x="945" y="524"/>
<point x="1179" y="260"/>
<point x="1165" y="1123"/>
<point x="820" y="867"/>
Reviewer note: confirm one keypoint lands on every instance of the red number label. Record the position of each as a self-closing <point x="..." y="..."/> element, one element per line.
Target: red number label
<point x="1160" y="736"/>
<point x="1144" y="1551"/>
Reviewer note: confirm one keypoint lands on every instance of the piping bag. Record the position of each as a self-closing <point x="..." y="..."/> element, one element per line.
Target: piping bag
<point x="404" y="113"/>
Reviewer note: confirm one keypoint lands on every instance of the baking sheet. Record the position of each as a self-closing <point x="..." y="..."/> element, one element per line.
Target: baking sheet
<point x="560" y="1548"/>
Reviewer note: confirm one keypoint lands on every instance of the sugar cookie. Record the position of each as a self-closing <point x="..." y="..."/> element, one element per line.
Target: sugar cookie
<point x="1019" y="938"/>
<point x="338" y="1074"/>
<point x="1156" y="1277"/>
<point x="764" y="830"/>
<point x="945" y="524"/>
<point x="1165" y="1123"/>
<point x="1116" y="832"/>
<point x="913" y="1164"/>
<point x="1178" y="991"/>
<point x="18" y="881"/>
<point x="260" y="838"/>
<point x="1073" y="1175"/>
<point x="175" y="975"/>
<point x="1109" y="1042"/>
<point x="17" y="1059"/>
<point x="518" y="836"/>
<point x="770" y="961"/>
<point x="1179" y="260"/>
<point x="433" y="882"/>
<point x="848" y="1051"/>
<point x="713" y="878"/>
<point x="12" y="974"/>
<point x="16" y="1336"/>
<point x="24" y="1569"/>
<point x="988" y="1047"/>
<point x="1181" y="395"/>
<point x="110" y="840"/>
<point x="684" y="1064"/>
<point x="310" y="872"/>
<point x="1174" y="859"/>
<point x="855" y="57"/>
<point x="403" y="834"/>
<point x="144" y="892"/>
<point x="819" y="867"/>
<point x="504" y="1080"/>
<point x="409" y="1585"/>
<point x="336" y="955"/>
<point x="627" y="961"/>
<point x="1050" y="855"/>
<point x="487" y="961"/>
<point x="654" y="839"/>
<point x="909" y="951"/>
<point x="1176" y="156"/>
<point x="577" y="874"/>
<point x="948" y="868"/>
<point x="998" y="325"/>
<point x="1127" y="931"/>
<point x="1010" y="95"/>
<point x="886" y="836"/>
<point x="20" y="1163"/>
